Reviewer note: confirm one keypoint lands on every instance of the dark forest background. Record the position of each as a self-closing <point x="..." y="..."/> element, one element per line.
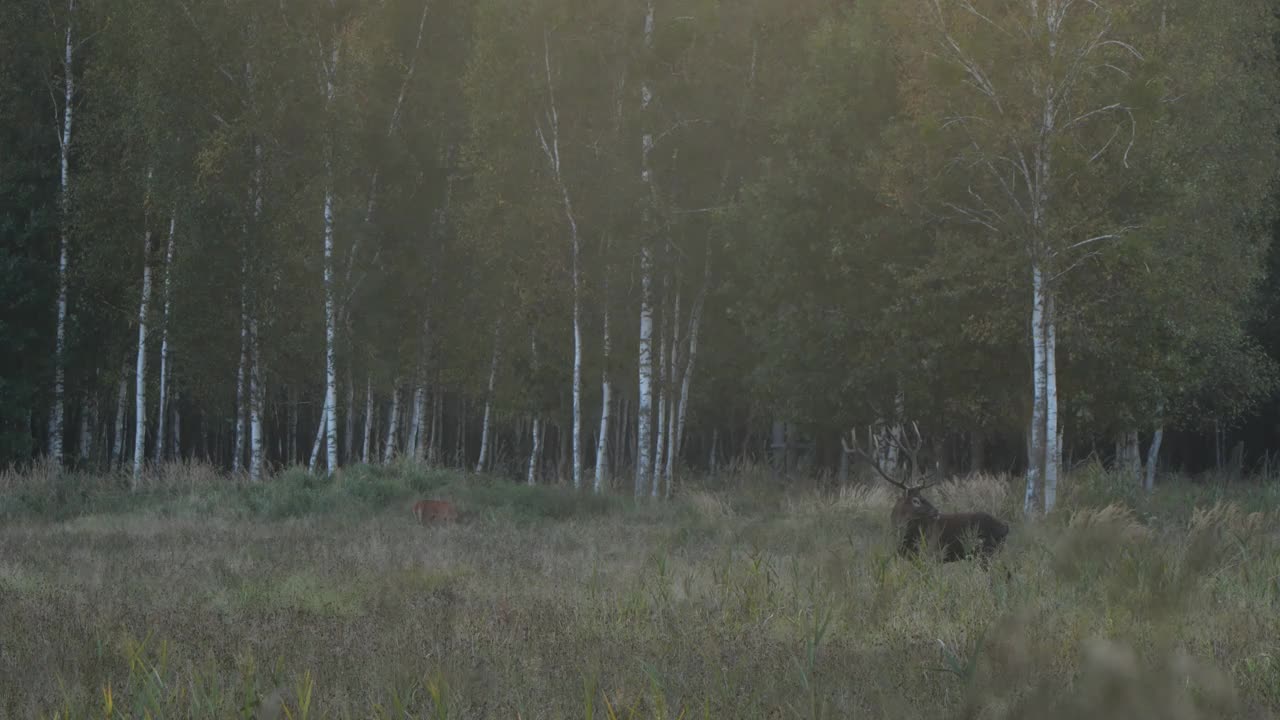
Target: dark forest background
<point x="740" y="226"/>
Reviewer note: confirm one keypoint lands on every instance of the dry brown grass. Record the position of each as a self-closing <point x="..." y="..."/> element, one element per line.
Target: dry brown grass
<point x="537" y="605"/>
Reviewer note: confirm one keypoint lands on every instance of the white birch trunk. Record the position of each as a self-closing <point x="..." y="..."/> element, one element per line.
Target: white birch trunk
<point x="334" y="309"/>
<point x="550" y="142"/>
<point x="415" y="425"/>
<point x="644" y="405"/>
<point x="140" y="377"/>
<point x="414" y="418"/>
<point x="88" y="421"/>
<point x="117" y="446"/>
<point x="606" y="402"/>
<point x="1035" y="460"/>
<point x="577" y="363"/>
<point x="643" y="455"/>
<point x="695" y="323"/>
<point x="314" y="459"/>
<point x="368" y="421"/>
<point x="1044" y="437"/>
<point x="662" y="390"/>
<point x="238" y="446"/>
<point x="626" y="435"/>
<point x="330" y="337"/>
<point x="56" y="411"/>
<point x="330" y="317"/>
<point x="393" y="425"/>
<point x="535" y="451"/>
<point x="256" y="395"/>
<point x="175" y="447"/>
<point x="673" y="399"/>
<point x="420" y="409"/>
<point x="460" y="437"/>
<point x="535" y="454"/>
<point x="488" y="404"/>
<point x="437" y="426"/>
<point x="1052" y="450"/>
<point x="1133" y="454"/>
<point x="164" y="343"/>
<point x="1153" y="455"/>
<point x="349" y="434"/>
<point x="256" y="392"/>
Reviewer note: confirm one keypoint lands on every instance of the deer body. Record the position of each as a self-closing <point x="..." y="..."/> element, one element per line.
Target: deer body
<point x="428" y="510"/>
<point x="958" y="535"/>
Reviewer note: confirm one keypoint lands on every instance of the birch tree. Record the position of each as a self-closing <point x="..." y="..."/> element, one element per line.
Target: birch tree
<point x="256" y="391"/>
<point x="57" y="409"/>
<point x="535" y="450"/>
<point x="165" y="370"/>
<point x="549" y="140"/>
<point x="350" y="279"/>
<point x="603" y="448"/>
<point x="393" y="425"/>
<point x="140" y="374"/>
<point x="368" y="422"/>
<point x="644" y="405"/>
<point x="329" y="69"/>
<point x="1031" y="99"/>
<point x="122" y="405"/>
<point x="486" y="425"/>
<point x="661" y="392"/>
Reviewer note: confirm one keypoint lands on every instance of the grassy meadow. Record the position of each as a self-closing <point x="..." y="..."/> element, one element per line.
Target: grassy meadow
<point x="744" y="597"/>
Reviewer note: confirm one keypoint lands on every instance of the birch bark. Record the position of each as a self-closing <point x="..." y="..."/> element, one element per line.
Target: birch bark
<point x="164" y="342"/>
<point x="368" y="421"/>
<point x="1053" y="450"/>
<point x="695" y="323"/>
<point x="256" y="391"/>
<point x="661" y="389"/>
<point x="606" y="402"/>
<point x="488" y="401"/>
<point x="1036" y="446"/>
<point x="56" y="416"/>
<point x="237" y="457"/>
<point x="550" y="142"/>
<point x="1153" y="454"/>
<point x="393" y="423"/>
<point x="330" y="69"/>
<point x="673" y="401"/>
<point x="644" y="404"/>
<point x="122" y="394"/>
<point x="535" y="452"/>
<point x="140" y="377"/>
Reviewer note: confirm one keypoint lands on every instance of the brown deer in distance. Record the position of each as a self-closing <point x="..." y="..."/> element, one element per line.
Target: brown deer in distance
<point x="428" y="510"/>
<point x="920" y="520"/>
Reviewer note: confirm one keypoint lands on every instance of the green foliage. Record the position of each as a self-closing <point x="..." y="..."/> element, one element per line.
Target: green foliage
<point x="28" y="192"/>
<point x="833" y="185"/>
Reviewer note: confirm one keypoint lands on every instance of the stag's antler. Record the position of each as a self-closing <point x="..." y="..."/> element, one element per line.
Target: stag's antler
<point x="857" y="450"/>
<point x="911" y="451"/>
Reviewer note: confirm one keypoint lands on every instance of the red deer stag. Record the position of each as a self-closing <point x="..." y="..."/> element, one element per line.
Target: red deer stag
<point x="956" y="533"/>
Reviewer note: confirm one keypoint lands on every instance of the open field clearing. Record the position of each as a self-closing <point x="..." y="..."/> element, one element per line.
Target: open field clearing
<point x="201" y="599"/>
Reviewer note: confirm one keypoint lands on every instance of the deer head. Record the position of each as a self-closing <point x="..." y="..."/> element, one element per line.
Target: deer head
<point x="914" y="480"/>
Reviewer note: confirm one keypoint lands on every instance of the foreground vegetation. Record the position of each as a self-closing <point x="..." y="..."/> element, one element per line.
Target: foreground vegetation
<point x="746" y="597"/>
